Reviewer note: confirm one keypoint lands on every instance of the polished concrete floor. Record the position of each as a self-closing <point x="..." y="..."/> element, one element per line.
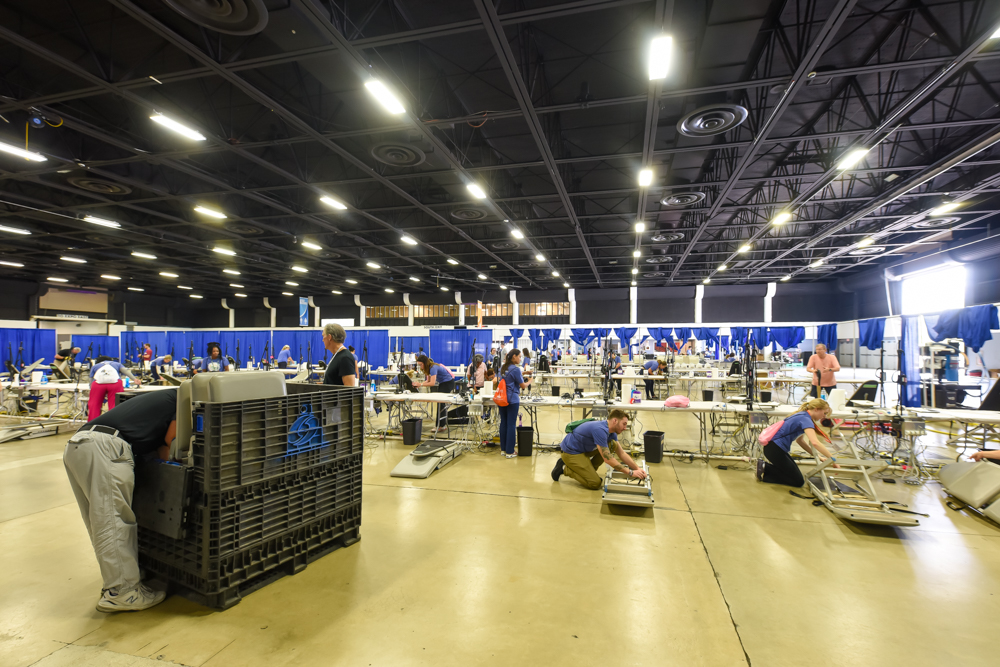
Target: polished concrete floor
<point x="490" y="562"/>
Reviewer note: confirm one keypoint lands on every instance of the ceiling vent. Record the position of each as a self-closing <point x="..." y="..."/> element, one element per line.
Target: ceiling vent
<point x="398" y="154"/>
<point x="469" y="213"/>
<point x="659" y="259"/>
<point x="666" y="237"/>
<point x="821" y="268"/>
<point x="655" y="274"/>
<point x="711" y="120"/>
<point x="682" y="199"/>
<point x="936" y="223"/>
<point x="870" y="250"/>
<point x="99" y="185"/>
<point x="233" y="17"/>
<point x="243" y="229"/>
<point x="504" y="245"/>
<point x="527" y="265"/>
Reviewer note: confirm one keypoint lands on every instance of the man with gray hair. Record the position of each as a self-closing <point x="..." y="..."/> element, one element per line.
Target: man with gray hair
<point x="342" y="368"/>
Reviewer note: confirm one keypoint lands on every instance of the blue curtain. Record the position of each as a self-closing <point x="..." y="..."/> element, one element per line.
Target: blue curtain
<point x="707" y="334"/>
<point x="515" y="335"/>
<point x="131" y="343"/>
<point x="871" y="333"/>
<point x="248" y="341"/>
<point x="682" y="334"/>
<point x="299" y="342"/>
<point x="787" y="337"/>
<point x="724" y="342"/>
<point x="410" y="344"/>
<point x="655" y="333"/>
<point x="102" y="345"/>
<point x="378" y="345"/>
<point x="580" y="336"/>
<point x="910" y="344"/>
<point x="739" y="336"/>
<point x="36" y="343"/>
<point x="601" y="334"/>
<point x="761" y="336"/>
<point x="625" y="337"/>
<point x="551" y="336"/>
<point x="827" y="334"/>
<point x="452" y="347"/>
<point x="971" y="324"/>
<point x="536" y="339"/>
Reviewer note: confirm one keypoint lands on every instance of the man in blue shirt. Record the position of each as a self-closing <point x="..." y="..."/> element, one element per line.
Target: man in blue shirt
<point x="154" y="365"/>
<point x="653" y="367"/>
<point x="589" y="445"/>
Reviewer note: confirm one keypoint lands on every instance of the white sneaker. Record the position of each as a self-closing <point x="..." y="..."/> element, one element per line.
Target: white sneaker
<point x="511" y="456"/>
<point x="133" y="599"/>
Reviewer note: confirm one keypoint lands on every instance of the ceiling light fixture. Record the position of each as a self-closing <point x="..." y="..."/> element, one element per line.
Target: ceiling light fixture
<point x="330" y="201"/>
<point x="566" y="285"/>
<point x="745" y="248"/>
<point x="180" y="129"/>
<point x="287" y="294"/>
<point x="503" y="287"/>
<point x="722" y="267"/>
<point x="946" y="207"/>
<point x="20" y="152"/>
<point x="415" y="279"/>
<point x="239" y="295"/>
<point x="101" y="221"/>
<point x="640" y="227"/>
<point x="852" y="158"/>
<point x="444" y="289"/>
<point x="236" y="285"/>
<point x="336" y="291"/>
<point x="14" y="230"/>
<point x="300" y="269"/>
<point x="818" y="262"/>
<point x="58" y="280"/>
<point x="184" y="287"/>
<point x="136" y="289"/>
<point x="408" y="240"/>
<point x="645" y="177"/>
<point x="633" y="283"/>
<point x="311" y="246"/>
<point x="706" y="281"/>
<point x="635" y="271"/>
<point x="231" y="272"/>
<point x="555" y="273"/>
<point x="389" y="290"/>
<point x="517" y="233"/>
<point x="384" y="96"/>
<point x="209" y="212"/>
<point x="372" y="265"/>
<point x="144" y="255"/>
<point x="75" y="260"/>
<point x="482" y="277"/>
<point x="660" y="49"/>
<point x="291" y="284"/>
<point x="781" y="218"/>
<point x="108" y="276"/>
<point x="352" y="282"/>
<point x="197" y="296"/>
<point x="636" y="253"/>
<point x="786" y="278"/>
<point x="452" y="261"/>
<point x="224" y="251"/>
<point x="540" y="258"/>
<point x="168" y="275"/>
<point x="865" y="242"/>
<point x="16" y="265"/>
<point x="476" y="191"/>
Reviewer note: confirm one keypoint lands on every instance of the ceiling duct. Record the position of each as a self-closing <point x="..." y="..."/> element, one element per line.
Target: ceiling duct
<point x="870" y="250"/>
<point x="397" y="154"/>
<point x="243" y="228"/>
<point x="659" y="259"/>
<point x="233" y="17"/>
<point x="936" y="223"/>
<point x="711" y="120"/>
<point x="666" y="237"/>
<point x="98" y="185"/>
<point x="682" y="199"/>
<point x="469" y="213"/>
<point x="505" y="245"/>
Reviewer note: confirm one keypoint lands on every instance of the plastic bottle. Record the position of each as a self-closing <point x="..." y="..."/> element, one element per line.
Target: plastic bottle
<point x="822" y="394"/>
<point x="45" y="378"/>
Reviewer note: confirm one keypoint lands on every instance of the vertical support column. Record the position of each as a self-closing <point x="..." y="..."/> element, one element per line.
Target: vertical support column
<point x="409" y="309"/>
<point x="771" y="289"/>
<point x="274" y="312"/>
<point x="357" y="302"/>
<point x="516" y="314"/>
<point x="572" y="305"/>
<point x="699" y="294"/>
<point x="461" y="309"/>
<point x="633" y="304"/>
<point x="232" y="315"/>
<point x="316" y="318"/>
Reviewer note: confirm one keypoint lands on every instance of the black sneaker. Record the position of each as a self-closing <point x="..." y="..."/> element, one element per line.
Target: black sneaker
<point x="760" y="470"/>
<point x="558" y="470"/>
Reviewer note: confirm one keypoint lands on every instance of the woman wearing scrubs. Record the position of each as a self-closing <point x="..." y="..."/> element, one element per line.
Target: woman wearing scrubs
<point x="441" y="380"/>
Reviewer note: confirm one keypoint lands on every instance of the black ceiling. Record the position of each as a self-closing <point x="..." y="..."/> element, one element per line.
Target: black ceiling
<point x="546" y="105"/>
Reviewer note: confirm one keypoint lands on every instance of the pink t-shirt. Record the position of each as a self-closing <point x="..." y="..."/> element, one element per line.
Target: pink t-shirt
<point x="827" y="366"/>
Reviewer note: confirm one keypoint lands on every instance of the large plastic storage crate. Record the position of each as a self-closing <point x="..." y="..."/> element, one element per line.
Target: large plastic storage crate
<point x="242" y="442"/>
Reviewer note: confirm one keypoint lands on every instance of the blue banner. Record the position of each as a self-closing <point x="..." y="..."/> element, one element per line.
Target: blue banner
<point x="303" y="311"/>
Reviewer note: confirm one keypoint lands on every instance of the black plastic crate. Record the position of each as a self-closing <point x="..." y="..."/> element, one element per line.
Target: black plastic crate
<point x="243" y="442"/>
<point x="244" y="571"/>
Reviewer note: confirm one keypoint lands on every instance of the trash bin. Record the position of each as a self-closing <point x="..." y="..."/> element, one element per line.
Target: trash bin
<point x="412" y="430"/>
<point x="765" y="396"/>
<point x="653" y="444"/>
<point x="525" y="439"/>
<point x="708" y="395"/>
<point x="555" y="391"/>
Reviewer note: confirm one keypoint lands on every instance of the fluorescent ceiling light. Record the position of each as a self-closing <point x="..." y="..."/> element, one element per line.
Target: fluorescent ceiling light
<point x="944" y="208"/>
<point x="659" y="57"/>
<point x="101" y="221"/>
<point x="503" y="287"/>
<point x="168" y="275"/>
<point x="372" y="265"/>
<point x="482" y="277"/>
<point x="540" y="258"/>
<point x="566" y="285"/>
<point x="231" y="272"/>
<point x="444" y="289"/>
<point x="706" y="281"/>
<point x="20" y="152"/>
<point x="633" y="283"/>
<point x="224" y="251"/>
<point x="311" y="246"/>
<point x="184" y="287"/>
<point x="14" y="230"/>
<point x="58" y="280"/>
<point x="786" y="278"/>
<point x="415" y="279"/>
<point x="722" y="267"/>
<point x="16" y="265"/>
<point x="389" y="290"/>
<point x="196" y="296"/>
<point x="640" y="227"/>
<point x="452" y="261"/>
<point x="996" y="35"/>
<point x="865" y="242"/>
<point x="236" y="285"/>
<point x="555" y="273"/>
<point x="108" y="276"/>
<point x="517" y="233"/>
<point x="300" y="269"/>
<point x="408" y="240"/>
<point x="330" y="201"/>
<point x="635" y="271"/>
<point x="852" y="158"/>
<point x="476" y="191"/>
<point x="818" y="262"/>
<point x="291" y="284"/>
<point x="172" y="124"/>
<point x="645" y="177"/>
<point x="239" y="295"/>
<point x="209" y="212"/>
<point x="144" y="255"/>
<point x="287" y="294"/>
<point x="745" y="248"/>
<point x="384" y="96"/>
<point x="334" y="291"/>
<point x="781" y="218"/>
<point x="75" y="260"/>
<point x="636" y="253"/>
<point x="353" y="282"/>
<point x="136" y="289"/>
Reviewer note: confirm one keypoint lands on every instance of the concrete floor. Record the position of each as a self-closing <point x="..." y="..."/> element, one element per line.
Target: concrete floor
<point x="489" y="562"/>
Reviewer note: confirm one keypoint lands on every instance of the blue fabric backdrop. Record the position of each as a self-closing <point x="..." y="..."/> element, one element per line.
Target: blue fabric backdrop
<point x="739" y="337"/>
<point x="580" y="336"/>
<point x="871" y="333"/>
<point x="658" y="333"/>
<point x="827" y="334"/>
<point x="910" y="344"/>
<point x="682" y="334"/>
<point x="787" y="337"/>
<point x="625" y="337"/>
<point x="535" y="335"/>
<point x="551" y="336"/>
<point x="707" y="334"/>
<point x="378" y="345"/>
<point x="106" y="345"/>
<point x="761" y="337"/>
<point x="131" y="340"/>
<point x="454" y="347"/>
<point x="37" y="343"/>
<point x="410" y="344"/>
<point x="971" y="324"/>
<point x="515" y="335"/>
<point x="249" y="342"/>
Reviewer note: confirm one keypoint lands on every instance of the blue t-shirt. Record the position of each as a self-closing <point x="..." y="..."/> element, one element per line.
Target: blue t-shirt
<point x="212" y="365"/>
<point x="793" y="427"/>
<point x="441" y="373"/>
<point x="651" y="365"/>
<point x="114" y="364"/>
<point x="514" y="379"/>
<point x="283" y="356"/>
<point x="587" y="437"/>
<point x="159" y="361"/>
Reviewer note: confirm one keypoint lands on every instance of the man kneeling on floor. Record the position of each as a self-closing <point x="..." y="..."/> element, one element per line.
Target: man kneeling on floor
<point x="589" y="445"/>
<point x="99" y="461"/>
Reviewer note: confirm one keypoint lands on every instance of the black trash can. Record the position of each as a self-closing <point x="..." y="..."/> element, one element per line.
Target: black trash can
<point x="708" y="395"/>
<point x="412" y="431"/>
<point x="555" y="391"/>
<point x="765" y="396"/>
<point x="653" y="443"/>
<point x="525" y="439"/>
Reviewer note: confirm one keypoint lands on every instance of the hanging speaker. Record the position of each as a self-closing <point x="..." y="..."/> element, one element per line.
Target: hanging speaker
<point x="711" y="120"/>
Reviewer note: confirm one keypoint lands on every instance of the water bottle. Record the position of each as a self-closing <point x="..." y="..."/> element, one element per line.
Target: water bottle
<point x="822" y="394"/>
<point x="126" y="383"/>
<point x="45" y="378"/>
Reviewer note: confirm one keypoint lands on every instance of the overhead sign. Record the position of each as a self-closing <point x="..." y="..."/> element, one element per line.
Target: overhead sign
<point x="303" y="311"/>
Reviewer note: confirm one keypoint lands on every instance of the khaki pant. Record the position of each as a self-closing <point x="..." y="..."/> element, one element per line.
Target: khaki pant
<point x="583" y="468"/>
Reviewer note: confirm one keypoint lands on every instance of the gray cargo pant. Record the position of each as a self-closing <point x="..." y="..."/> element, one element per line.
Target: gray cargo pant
<point x="100" y="470"/>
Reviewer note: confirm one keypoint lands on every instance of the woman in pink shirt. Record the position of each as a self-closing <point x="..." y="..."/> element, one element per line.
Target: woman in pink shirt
<point x="822" y="365"/>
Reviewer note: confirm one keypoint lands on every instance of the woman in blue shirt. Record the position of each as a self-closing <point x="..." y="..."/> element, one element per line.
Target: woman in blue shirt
<point x="284" y="357"/>
<point x="511" y="373"/>
<point x="780" y="468"/>
<point x="441" y="380"/>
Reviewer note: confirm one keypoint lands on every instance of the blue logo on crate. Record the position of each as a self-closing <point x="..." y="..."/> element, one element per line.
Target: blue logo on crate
<point x="306" y="432"/>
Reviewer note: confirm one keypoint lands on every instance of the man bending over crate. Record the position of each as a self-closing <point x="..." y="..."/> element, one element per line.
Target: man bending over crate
<point x="588" y="445"/>
<point x="99" y="461"/>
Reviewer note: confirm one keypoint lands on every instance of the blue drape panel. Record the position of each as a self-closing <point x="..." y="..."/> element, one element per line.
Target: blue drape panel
<point x="202" y="339"/>
<point x="410" y="344"/>
<point x="178" y="344"/>
<point x="827" y="334"/>
<point x="298" y="342"/>
<point x="682" y="334"/>
<point x="625" y="337"/>
<point x="454" y="347"/>
<point x="36" y="343"/>
<point x="871" y="333"/>
<point x="910" y="344"/>
<point x="787" y="337"/>
<point x="551" y="336"/>
<point x="707" y="334"/>
<point x="655" y="333"/>
<point x="739" y="336"/>
<point x="761" y="336"/>
<point x="131" y="343"/>
<point x="516" y="336"/>
<point x="971" y="324"/>
<point x="378" y="345"/>
<point x="580" y="336"/>
<point x="724" y="343"/>
<point x="102" y="345"/>
<point x="535" y="335"/>
<point x="601" y="334"/>
<point x="249" y="342"/>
